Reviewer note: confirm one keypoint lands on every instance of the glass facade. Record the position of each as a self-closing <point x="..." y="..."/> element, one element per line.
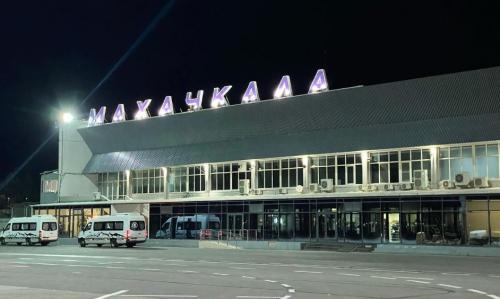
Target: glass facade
<point x="112" y="185"/>
<point x="148" y="181"/>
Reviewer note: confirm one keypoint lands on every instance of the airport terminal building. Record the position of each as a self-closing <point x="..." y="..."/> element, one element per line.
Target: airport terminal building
<point x="412" y="162"/>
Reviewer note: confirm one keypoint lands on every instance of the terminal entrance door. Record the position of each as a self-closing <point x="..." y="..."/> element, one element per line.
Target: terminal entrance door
<point x="235" y="226"/>
<point x="391" y="227"/>
<point x="327" y="225"/>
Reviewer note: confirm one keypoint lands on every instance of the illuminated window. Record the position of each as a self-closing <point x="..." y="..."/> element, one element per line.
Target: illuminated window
<point x="384" y="167"/>
<point x="455" y="160"/>
<point x="50" y="186"/>
<point x="322" y="167"/>
<point x="182" y="179"/>
<point x="280" y="173"/>
<point x="416" y="159"/>
<point x="486" y="161"/>
<point x="112" y="184"/>
<point x="349" y="170"/>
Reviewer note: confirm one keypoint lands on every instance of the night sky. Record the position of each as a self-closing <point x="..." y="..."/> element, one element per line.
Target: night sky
<point x="53" y="53"/>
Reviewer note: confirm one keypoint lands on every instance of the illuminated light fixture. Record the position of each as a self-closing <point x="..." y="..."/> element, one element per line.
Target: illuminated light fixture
<point x="143" y="111"/>
<point x="67" y="117"/>
<point x="251" y="94"/>
<point x="167" y="107"/>
<point x="194" y="104"/>
<point x="319" y="83"/>
<point x="284" y="89"/>
<point x="219" y="97"/>
<point x="97" y="118"/>
<point x="119" y="114"/>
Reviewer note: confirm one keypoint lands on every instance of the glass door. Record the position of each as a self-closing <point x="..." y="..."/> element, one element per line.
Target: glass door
<point x="235" y="226"/>
<point x="327" y="225"/>
<point x="391" y="228"/>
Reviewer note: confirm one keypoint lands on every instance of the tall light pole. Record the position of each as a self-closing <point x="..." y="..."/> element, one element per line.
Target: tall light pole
<point x="65" y="119"/>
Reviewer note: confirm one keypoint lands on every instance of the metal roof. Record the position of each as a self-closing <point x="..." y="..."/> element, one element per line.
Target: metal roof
<point x="454" y="108"/>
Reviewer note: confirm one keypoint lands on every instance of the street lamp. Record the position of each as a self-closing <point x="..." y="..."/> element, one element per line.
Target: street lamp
<point x="67" y="117"/>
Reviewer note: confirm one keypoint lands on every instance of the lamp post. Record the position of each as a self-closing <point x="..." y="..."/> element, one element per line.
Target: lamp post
<point x="64" y="119"/>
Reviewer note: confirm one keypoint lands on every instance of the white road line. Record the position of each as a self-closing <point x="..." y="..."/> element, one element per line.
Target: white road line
<point x="494" y="276"/>
<point x="272" y="281"/>
<point x="449" y="286"/>
<point x="291" y="290"/>
<point x="493" y="296"/>
<point x="458" y="274"/>
<point x="76" y="272"/>
<point x="69" y="260"/>
<point x="417" y="278"/>
<point x="241" y="268"/>
<point x="112" y="294"/>
<point x="310" y="272"/>
<point x="260" y="297"/>
<point x="220" y="274"/>
<point x="477" y="291"/>
<point x="348" y="274"/>
<point x="383" y="277"/>
<point x="162" y="296"/>
<point x="151" y="269"/>
<point x="249" y="277"/>
<point x="114" y="267"/>
<point x="187" y="271"/>
<point x="286" y="285"/>
<point x="417" y="281"/>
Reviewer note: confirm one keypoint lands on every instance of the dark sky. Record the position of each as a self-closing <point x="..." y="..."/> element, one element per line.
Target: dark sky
<point x="53" y="53"/>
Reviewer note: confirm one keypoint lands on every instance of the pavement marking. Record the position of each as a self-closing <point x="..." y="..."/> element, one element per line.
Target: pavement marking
<point x="310" y="272"/>
<point x="416" y="278"/>
<point x="348" y="274"/>
<point x="114" y="267"/>
<point x="459" y="274"/>
<point x="286" y="285"/>
<point x="187" y="271"/>
<point x="493" y="296"/>
<point x="261" y="297"/>
<point x="162" y="296"/>
<point x="21" y="266"/>
<point x="417" y="281"/>
<point x="291" y="290"/>
<point x="477" y="291"/>
<point x="382" y="277"/>
<point x="112" y="294"/>
<point x="69" y="260"/>
<point x="272" y="281"/>
<point x="449" y="286"/>
<point x="149" y="269"/>
<point x="76" y="272"/>
<point x="241" y="268"/>
<point x="249" y="277"/>
<point x="220" y="274"/>
<point x="494" y="276"/>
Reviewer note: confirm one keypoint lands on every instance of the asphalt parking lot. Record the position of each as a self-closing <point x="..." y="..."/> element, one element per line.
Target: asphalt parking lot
<point x="91" y="272"/>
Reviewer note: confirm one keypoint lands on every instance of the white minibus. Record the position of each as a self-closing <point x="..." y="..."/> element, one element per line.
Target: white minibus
<point x="205" y="226"/>
<point x="120" y="229"/>
<point x="41" y="229"/>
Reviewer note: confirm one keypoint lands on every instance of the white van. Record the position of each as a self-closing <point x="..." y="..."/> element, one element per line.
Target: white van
<point x="205" y="226"/>
<point x="30" y="230"/>
<point x="120" y="229"/>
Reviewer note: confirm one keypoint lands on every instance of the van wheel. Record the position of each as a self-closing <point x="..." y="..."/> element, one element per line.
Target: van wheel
<point x="130" y="245"/>
<point x="44" y="243"/>
<point x="99" y="245"/>
<point x="28" y="241"/>
<point x="2" y="241"/>
<point x="114" y="243"/>
<point x="19" y="243"/>
<point x="82" y="242"/>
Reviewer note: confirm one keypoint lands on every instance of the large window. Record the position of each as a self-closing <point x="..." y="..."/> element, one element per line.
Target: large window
<point x="384" y="167"/>
<point x="322" y="167"/>
<point x="112" y="184"/>
<point x="280" y="173"/>
<point x="455" y="160"/>
<point x="486" y="161"/>
<point x="349" y="170"/>
<point x="191" y="179"/>
<point x="147" y="181"/>
<point x="416" y="159"/>
<point x="225" y="176"/>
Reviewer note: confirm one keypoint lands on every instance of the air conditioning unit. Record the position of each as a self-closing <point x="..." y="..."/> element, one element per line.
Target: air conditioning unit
<point x="421" y="179"/>
<point x="388" y="187"/>
<point x="463" y="180"/>
<point x="371" y="187"/>
<point x="481" y="182"/>
<point x="406" y="186"/>
<point x="96" y="195"/>
<point x="258" y="192"/>
<point x="327" y="185"/>
<point x="447" y="184"/>
<point x="244" y="186"/>
<point x="283" y="191"/>
<point x="314" y="188"/>
<point x="299" y="189"/>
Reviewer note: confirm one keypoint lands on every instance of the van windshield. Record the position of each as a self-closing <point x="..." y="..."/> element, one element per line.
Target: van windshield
<point x="49" y="226"/>
<point x="137" y="225"/>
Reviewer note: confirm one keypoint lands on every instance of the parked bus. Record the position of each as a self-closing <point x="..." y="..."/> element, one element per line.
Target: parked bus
<point x="190" y="227"/>
<point x="39" y="229"/>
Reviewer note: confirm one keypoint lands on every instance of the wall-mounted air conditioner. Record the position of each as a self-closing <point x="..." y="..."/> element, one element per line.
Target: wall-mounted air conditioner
<point x="463" y="180"/>
<point x="258" y="192"/>
<point x="283" y="191"/>
<point x="447" y="184"/>
<point x="370" y="188"/>
<point x="97" y="195"/>
<point x="481" y="182"/>
<point x="388" y="187"/>
<point x="299" y="189"/>
<point x="244" y="186"/>
<point x="421" y="179"/>
<point x="314" y="188"/>
<point x="327" y="185"/>
<point x="406" y="186"/>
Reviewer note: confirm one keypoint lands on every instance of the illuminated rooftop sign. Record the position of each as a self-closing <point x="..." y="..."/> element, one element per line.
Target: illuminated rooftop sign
<point x="219" y="99"/>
